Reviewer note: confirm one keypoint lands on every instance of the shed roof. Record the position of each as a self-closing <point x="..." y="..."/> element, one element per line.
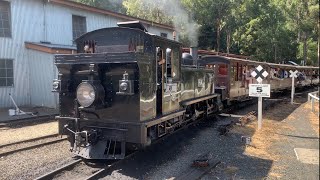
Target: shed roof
<point x="47" y="47"/>
<point x="81" y="6"/>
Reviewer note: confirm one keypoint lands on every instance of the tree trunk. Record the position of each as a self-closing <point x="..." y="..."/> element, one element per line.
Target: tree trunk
<point x="228" y="41"/>
<point x="318" y="41"/>
<point x="304" y="34"/>
<point x="218" y="35"/>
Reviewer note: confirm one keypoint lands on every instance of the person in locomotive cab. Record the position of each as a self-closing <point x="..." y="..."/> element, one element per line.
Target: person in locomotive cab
<point x="243" y="82"/>
<point x="162" y="61"/>
<point x="247" y="77"/>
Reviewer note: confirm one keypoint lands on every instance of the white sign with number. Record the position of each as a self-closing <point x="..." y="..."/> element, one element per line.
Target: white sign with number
<point x="259" y="90"/>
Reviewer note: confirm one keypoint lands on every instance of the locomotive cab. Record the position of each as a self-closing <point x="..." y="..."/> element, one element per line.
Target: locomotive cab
<point x="221" y="67"/>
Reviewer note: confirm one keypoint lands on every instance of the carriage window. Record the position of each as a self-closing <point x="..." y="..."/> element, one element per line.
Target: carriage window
<point x="79" y="26"/>
<point x="223" y="70"/>
<point x="232" y="75"/>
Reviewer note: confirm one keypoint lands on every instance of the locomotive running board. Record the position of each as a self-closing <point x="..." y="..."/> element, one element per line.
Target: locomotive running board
<point x="198" y="99"/>
<point x="164" y="118"/>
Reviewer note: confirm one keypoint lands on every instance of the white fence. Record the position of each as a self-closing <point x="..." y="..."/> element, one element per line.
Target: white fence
<point x="312" y="97"/>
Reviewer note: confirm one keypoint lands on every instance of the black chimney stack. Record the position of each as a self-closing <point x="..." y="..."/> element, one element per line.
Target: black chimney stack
<point x="194" y="54"/>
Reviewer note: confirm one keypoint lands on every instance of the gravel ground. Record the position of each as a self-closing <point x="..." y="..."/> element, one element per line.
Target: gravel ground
<point x="16" y="134"/>
<point x="31" y="163"/>
<point x="295" y="132"/>
<point x="314" y="117"/>
<point x="172" y="157"/>
<point x="271" y="155"/>
<point x="35" y="162"/>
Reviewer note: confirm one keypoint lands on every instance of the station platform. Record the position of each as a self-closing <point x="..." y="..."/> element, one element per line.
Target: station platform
<point x="32" y="112"/>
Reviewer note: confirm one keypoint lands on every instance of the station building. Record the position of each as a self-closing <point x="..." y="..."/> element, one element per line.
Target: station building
<point x="32" y="31"/>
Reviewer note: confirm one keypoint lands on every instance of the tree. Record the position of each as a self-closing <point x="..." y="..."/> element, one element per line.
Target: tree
<point x="262" y="32"/>
<point x="166" y="12"/>
<point x="208" y="12"/>
<point x="111" y="5"/>
<point x="302" y="19"/>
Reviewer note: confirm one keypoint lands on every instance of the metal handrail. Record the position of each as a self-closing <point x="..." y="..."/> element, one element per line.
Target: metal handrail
<point x="313" y="96"/>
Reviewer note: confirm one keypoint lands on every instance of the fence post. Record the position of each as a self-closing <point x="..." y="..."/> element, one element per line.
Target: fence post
<point x="312" y="103"/>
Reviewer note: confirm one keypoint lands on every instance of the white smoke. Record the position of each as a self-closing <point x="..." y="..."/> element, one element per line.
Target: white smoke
<point x="182" y="21"/>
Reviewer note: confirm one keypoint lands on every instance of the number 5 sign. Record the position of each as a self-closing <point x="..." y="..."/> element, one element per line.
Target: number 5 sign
<point x="259" y="90"/>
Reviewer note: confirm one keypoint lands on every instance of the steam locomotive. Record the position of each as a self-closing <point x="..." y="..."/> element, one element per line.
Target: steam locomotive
<point x="127" y="88"/>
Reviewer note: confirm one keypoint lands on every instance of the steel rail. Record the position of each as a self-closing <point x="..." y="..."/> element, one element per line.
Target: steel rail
<point x="29" y="140"/>
<point x="57" y="171"/>
<point x="27" y="120"/>
<point x="93" y="176"/>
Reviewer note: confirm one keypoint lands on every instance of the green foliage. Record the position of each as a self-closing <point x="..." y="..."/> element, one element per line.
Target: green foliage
<point x="312" y="52"/>
<point x="111" y="5"/>
<point x="149" y="10"/>
<point x="267" y="30"/>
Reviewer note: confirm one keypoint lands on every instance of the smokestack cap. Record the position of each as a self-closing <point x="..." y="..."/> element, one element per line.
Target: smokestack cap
<point x="132" y="24"/>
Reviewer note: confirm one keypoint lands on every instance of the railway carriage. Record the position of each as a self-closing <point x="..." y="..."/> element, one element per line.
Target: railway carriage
<point x="233" y="75"/>
<point x="127" y="88"/>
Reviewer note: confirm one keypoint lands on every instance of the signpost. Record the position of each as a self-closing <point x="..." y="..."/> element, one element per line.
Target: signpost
<point x="293" y="74"/>
<point x="259" y="90"/>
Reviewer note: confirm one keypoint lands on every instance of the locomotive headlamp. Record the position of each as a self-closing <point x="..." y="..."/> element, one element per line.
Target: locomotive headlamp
<point x="90" y="93"/>
<point x="56" y="85"/>
<point x="124" y="86"/>
<point x="86" y="94"/>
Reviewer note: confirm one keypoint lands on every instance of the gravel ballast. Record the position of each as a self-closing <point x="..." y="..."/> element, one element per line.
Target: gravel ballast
<point x="35" y="162"/>
<point x="16" y="134"/>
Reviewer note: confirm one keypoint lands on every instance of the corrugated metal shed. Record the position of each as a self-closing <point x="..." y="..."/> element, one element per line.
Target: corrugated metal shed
<point x="24" y="27"/>
<point x="49" y="21"/>
<point x="42" y="72"/>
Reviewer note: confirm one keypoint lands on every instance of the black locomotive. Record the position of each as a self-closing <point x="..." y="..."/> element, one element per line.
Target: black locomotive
<point x="126" y="88"/>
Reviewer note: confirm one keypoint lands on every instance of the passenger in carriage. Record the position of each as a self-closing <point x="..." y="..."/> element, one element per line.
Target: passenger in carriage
<point x="243" y="82"/>
<point x="246" y="77"/>
<point x="286" y="75"/>
<point x="276" y="73"/>
<point x="314" y="74"/>
<point x="280" y="73"/>
<point x="272" y="73"/>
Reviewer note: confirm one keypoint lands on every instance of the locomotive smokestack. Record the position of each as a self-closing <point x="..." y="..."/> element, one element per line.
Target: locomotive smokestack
<point x="194" y="54"/>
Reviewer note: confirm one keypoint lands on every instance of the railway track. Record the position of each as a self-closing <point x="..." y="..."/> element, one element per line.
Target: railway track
<point x="20" y="146"/>
<point x="80" y="168"/>
<point x="27" y="121"/>
<point x="73" y="169"/>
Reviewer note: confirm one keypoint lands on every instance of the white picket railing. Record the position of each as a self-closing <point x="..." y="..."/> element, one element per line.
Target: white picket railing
<point x="312" y="97"/>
